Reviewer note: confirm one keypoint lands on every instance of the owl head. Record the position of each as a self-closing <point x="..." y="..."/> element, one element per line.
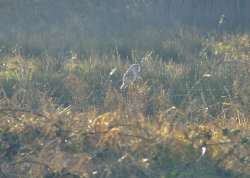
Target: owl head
<point x="135" y="68"/>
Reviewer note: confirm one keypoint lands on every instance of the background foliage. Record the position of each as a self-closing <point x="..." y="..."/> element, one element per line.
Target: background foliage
<point x="63" y="113"/>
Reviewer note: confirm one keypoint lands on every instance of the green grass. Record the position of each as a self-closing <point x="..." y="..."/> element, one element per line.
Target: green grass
<point x="67" y="115"/>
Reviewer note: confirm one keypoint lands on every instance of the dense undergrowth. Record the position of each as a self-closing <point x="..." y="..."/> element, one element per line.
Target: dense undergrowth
<point x="67" y="117"/>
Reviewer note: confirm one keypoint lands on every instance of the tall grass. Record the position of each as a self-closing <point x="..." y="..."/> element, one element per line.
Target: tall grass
<point x="67" y="115"/>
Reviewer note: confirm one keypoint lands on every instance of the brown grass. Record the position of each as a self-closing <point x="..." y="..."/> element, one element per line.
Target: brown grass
<point x="70" y="119"/>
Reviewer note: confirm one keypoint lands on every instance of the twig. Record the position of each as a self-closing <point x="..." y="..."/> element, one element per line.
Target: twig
<point x="136" y="136"/>
<point x="123" y="134"/>
<point x="2" y="173"/>
<point x="24" y="110"/>
<point x="130" y="125"/>
<point x="29" y="161"/>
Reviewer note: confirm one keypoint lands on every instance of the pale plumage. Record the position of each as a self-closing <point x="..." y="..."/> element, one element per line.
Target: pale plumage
<point x="130" y="76"/>
<point x="222" y="19"/>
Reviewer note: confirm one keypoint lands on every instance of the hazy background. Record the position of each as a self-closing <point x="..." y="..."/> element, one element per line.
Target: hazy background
<point x="96" y="26"/>
<point x="63" y="113"/>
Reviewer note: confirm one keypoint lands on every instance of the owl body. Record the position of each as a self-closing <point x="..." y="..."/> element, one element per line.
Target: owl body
<point x="130" y="76"/>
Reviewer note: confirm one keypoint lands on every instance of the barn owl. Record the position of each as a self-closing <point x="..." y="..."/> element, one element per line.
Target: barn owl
<point x="130" y="76"/>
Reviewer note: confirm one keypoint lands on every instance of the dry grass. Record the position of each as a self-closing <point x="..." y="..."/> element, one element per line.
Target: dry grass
<point x="68" y="118"/>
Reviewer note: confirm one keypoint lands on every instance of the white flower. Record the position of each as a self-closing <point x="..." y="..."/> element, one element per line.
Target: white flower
<point x="130" y="76"/>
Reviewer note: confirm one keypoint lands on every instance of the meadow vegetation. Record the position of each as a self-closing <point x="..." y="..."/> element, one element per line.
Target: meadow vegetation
<point x="65" y="116"/>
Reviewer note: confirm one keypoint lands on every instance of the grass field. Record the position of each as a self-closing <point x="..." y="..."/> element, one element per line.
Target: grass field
<point x="64" y="115"/>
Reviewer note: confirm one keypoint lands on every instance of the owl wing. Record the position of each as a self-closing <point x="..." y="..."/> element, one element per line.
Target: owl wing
<point x="124" y="85"/>
<point x="129" y="76"/>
